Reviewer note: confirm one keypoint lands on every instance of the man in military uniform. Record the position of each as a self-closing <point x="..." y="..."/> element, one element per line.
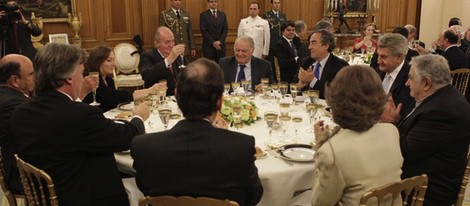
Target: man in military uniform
<point x="275" y="18"/>
<point x="177" y="20"/>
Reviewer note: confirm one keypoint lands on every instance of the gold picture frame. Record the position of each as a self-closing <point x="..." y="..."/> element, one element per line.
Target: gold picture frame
<point x="355" y="8"/>
<point x="48" y="10"/>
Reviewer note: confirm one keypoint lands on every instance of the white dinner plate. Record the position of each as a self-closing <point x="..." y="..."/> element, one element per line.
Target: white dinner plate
<point x="126" y="106"/>
<point x="297" y="152"/>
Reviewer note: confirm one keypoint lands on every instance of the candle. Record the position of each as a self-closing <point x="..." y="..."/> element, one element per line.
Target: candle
<point x="336" y="5"/>
<point x="378" y="2"/>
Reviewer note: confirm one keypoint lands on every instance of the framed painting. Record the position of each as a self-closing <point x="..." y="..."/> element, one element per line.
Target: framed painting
<point x="353" y="8"/>
<point x="59" y="38"/>
<point x="49" y="10"/>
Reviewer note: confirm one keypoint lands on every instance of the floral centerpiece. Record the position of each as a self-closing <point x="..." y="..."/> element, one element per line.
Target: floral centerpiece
<point x="248" y="112"/>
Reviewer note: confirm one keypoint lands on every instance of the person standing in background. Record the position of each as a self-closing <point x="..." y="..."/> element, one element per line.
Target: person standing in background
<point x="16" y="32"/>
<point x="214" y="28"/>
<point x="258" y="29"/>
<point x="275" y="19"/>
<point x="178" y="21"/>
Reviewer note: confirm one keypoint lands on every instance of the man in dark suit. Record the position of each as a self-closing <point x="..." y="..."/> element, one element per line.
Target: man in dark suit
<point x="321" y="66"/>
<point x="164" y="61"/>
<point x="177" y="20"/>
<point x="394" y="69"/>
<point x="322" y="24"/>
<point x="448" y="40"/>
<point x="286" y="52"/>
<point x="16" y="86"/>
<point x="71" y="141"/>
<point x="275" y="18"/>
<point x="300" y="33"/>
<point x="194" y="158"/>
<point x="253" y="68"/>
<point x="434" y="136"/>
<point x="214" y="28"/>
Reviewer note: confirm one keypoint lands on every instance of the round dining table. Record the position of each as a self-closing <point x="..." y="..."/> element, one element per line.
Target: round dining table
<point x="285" y="182"/>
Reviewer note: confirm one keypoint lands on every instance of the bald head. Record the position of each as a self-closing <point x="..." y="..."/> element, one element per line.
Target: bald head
<point x="16" y="71"/>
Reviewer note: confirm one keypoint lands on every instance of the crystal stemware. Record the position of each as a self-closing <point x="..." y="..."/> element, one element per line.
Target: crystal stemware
<point x="297" y="121"/>
<point x="96" y="75"/>
<point x="164" y="113"/>
<point x="284" y="120"/>
<point x="270" y="117"/>
<point x="293" y="92"/>
<point x="283" y="86"/>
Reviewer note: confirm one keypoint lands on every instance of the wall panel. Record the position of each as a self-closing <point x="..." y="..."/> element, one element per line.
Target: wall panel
<point x="113" y="21"/>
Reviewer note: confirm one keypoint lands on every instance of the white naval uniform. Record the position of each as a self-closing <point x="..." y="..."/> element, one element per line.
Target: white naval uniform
<point x="258" y="29"/>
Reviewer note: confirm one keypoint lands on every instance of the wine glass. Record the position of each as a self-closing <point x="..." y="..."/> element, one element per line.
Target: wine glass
<point x="312" y="109"/>
<point x="175" y="116"/>
<point x="97" y="75"/>
<point x="235" y="86"/>
<point x="236" y="116"/>
<point x="270" y="117"/>
<point x="246" y="84"/>
<point x="283" y="86"/>
<point x="165" y="113"/>
<point x="313" y="96"/>
<point x="226" y="88"/>
<point x="275" y="88"/>
<point x="154" y="104"/>
<point x="297" y="121"/>
<point x="284" y="106"/>
<point x="284" y="120"/>
<point x="293" y="92"/>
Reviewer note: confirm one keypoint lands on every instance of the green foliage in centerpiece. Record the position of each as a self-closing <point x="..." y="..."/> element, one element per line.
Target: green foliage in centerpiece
<point x="248" y="113"/>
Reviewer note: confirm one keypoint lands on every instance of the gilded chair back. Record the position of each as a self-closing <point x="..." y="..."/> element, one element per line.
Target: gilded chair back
<point x="460" y="79"/>
<point x="11" y="198"/>
<point x="37" y="184"/>
<point x="277" y="69"/>
<point x="411" y="189"/>
<point x="463" y="186"/>
<point x="126" y="74"/>
<point x="184" y="201"/>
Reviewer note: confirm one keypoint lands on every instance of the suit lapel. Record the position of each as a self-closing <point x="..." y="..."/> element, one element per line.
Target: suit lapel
<point x="401" y="77"/>
<point x="254" y="74"/>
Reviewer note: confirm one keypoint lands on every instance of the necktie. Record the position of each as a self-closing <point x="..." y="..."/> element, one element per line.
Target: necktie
<point x="316" y="71"/>
<point x="170" y="67"/>
<point x="241" y="73"/>
<point x="386" y="82"/>
<point x="178" y="14"/>
<point x="294" y="50"/>
<point x="214" y="14"/>
<point x="277" y="14"/>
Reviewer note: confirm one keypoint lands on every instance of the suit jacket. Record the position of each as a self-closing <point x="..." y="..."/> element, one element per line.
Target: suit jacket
<point x="74" y="143"/>
<point x="153" y="69"/>
<point x="274" y="27"/>
<point x="331" y="68"/>
<point x="456" y="58"/>
<point x="9" y="100"/>
<point x="286" y="59"/>
<point x="303" y="50"/>
<point x="434" y="140"/>
<point x="196" y="159"/>
<point x="399" y="91"/>
<point x="213" y="30"/>
<point x="108" y="96"/>
<point x="260" y="68"/>
<point x="297" y="42"/>
<point x="181" y="28"/>
<point x="348" y="165"/>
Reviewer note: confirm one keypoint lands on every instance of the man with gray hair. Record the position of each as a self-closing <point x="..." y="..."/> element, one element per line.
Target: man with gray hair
<point x="434" y="136"/>
<point x="71" y="141"/>
<point x="300" y="33"/>
<point x="393" y="69"/>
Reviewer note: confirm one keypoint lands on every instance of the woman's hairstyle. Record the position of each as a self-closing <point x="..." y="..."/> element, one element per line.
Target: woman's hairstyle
<point x="97" y="56"/>
<point x="356" y="97"/>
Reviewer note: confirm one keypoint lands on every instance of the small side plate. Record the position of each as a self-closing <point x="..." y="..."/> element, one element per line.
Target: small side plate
<point x="126" y="106"/>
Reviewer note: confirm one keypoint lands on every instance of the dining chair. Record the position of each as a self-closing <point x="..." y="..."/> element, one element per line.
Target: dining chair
<point x="184" y="201"/>
<point x="126" y="74"/>
<point x="463" y="186"/>
<point x="460" y="79"/>
<point x="11" y="198"/>
<point x="37" y="184"/>
<point x="411" y="190"/>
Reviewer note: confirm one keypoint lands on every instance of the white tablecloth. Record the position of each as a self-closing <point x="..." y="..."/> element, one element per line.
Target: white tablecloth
<point x="280" y="178"/>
